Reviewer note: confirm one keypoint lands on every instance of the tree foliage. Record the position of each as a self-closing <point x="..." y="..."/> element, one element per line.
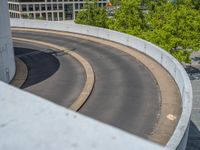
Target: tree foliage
<point x="129" y="18"/>
<point x="92" y="15"/>
<point x="174" y="26"/>
<point x="115" y="2"/>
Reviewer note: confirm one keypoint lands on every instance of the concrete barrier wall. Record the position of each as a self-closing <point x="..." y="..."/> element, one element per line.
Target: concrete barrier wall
<point x="28" y="122"/>
<point x="155" y="52"/>
<point x="7" y="64"/>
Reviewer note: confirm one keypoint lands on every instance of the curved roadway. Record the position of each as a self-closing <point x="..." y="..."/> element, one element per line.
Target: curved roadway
<point x="52" y="75"/>
<point x="125" y="94"/>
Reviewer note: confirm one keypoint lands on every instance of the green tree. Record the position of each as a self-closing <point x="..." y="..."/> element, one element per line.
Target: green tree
<point x="174" y="28"/>
<point x="173" y="25"/>
<point x="196" y="4"/>
<point x="193" y="3"/>
<point x="128" y="18"/>
<point x="92" y="15"/>
<point x="115" y="2"/>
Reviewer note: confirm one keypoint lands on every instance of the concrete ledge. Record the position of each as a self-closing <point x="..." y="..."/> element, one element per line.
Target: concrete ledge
<point x="29" y="122"/>
<point x="77" y="104"/>
<point x="158" y="54"/>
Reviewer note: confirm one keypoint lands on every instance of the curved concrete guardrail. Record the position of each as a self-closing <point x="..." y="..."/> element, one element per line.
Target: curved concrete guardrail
<point x="179" y="137"/>
<point x="7" y="65"/>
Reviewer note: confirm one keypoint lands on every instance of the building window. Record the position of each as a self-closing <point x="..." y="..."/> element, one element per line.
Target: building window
<point x="43" y="8"/>
<point x="76" y="6"/>
<point x="60" y="6"/>
<point x="30" y="7"/>
<point x="37" y="7"/>
<point x="44" y="16"/>
<point x="61" y="15"/>
<point x="81" y="5"/>
<point x="24" y="16"/>
<point x="17" y="7"/>
<point x="48" y="6"/>
<point x="54" y="6"/>
<point x="37" y="15"/>
<point x="49" y="16"/>
<point x="31" y="15"/>
<point x="55" y="16"/>
<point x="11" y="7"/>
<point x="24" y="8"/>
<point x="76" y="13"/>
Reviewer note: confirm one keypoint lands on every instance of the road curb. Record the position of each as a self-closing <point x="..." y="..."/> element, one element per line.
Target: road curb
<point x="165" y="127"/>
<point x="21" y="73"/>
<point x="90" y="79"/>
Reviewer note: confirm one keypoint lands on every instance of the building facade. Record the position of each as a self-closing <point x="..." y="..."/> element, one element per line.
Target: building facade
<point x="52" y="10"/>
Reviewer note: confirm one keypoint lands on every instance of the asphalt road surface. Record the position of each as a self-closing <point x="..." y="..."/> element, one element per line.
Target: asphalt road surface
<point x="125" y="94"/>
<point x="51" y="75"/>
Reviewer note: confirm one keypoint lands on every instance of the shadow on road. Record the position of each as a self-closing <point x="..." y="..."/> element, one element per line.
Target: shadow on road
<point x="41" y="65"/>
<point x="193" y="138"/>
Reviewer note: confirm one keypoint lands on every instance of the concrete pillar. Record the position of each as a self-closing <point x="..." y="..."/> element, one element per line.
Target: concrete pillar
<point x="7" y="61"/>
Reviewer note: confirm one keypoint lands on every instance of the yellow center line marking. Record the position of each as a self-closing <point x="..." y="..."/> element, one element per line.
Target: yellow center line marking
<point x="89" y="83"/>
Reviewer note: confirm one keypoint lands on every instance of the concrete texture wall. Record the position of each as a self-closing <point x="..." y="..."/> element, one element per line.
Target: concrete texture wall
<point x="7" y="63"/>
<point x="28" y="122"/>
